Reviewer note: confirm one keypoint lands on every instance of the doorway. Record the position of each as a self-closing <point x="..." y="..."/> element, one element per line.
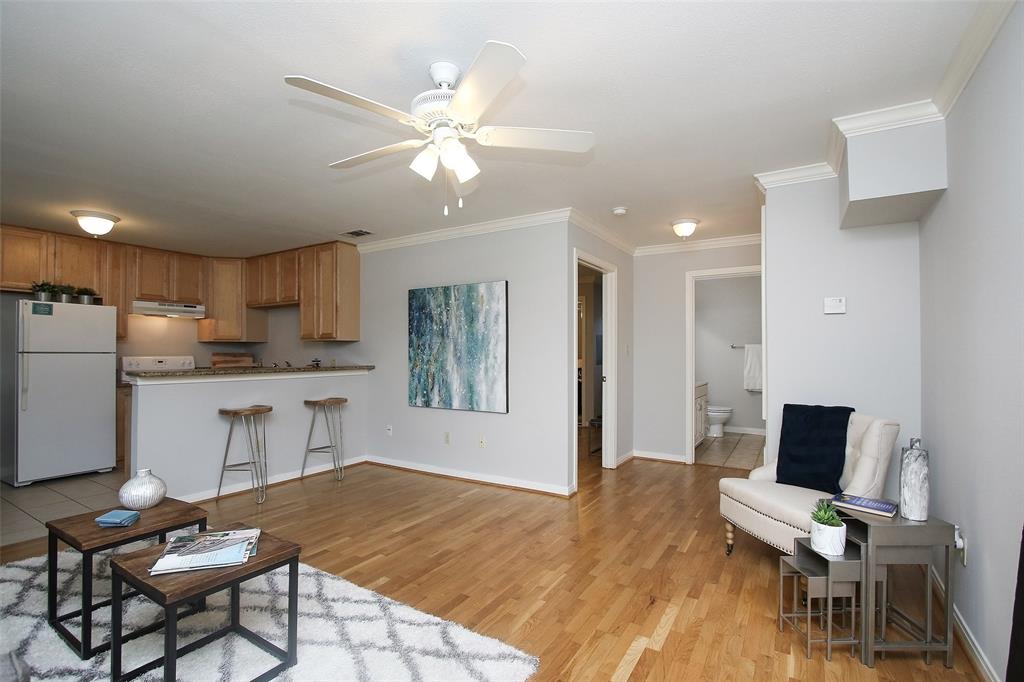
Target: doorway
<point x="593" y="379"/>
<point x="724" y="393"/>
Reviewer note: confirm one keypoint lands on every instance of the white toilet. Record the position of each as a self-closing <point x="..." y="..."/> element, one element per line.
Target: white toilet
<point x="717" y="417"/>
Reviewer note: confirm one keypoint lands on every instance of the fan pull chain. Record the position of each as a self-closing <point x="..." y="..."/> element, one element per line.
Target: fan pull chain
<point x="445" y="212"/>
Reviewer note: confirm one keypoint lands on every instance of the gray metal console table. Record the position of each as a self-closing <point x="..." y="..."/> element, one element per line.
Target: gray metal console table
<point x="899" y="541"/>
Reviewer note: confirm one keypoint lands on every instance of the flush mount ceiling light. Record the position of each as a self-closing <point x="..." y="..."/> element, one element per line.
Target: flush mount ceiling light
<point x="95" y="223"/>
<point x="620" y="211"/>
<point x="684" y="227"/>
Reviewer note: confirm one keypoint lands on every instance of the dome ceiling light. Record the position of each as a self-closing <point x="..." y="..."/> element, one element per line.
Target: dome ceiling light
<point x="95" y="223"/>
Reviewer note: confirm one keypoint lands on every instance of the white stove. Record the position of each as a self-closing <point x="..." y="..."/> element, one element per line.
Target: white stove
<point x="148" y="363"/>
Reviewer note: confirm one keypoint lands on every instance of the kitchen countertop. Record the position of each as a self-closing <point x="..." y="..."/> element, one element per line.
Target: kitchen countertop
<point x="220" y="371"/>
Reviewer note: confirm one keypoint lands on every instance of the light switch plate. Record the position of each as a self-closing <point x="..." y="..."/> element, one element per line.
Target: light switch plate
<point x="835" y="305"/>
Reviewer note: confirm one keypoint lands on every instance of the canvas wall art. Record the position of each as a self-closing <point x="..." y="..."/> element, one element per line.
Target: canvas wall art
<point x="458" y="347"/>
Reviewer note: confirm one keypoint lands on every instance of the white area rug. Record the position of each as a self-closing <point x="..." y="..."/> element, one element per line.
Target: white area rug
<point x="345" y="632"/>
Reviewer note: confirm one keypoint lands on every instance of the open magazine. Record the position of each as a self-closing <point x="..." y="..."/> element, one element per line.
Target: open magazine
<point x="214" y="549"/>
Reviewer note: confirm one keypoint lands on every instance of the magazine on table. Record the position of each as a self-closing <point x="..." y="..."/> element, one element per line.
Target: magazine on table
<point x="213" y="549"/>
<point x="867" y="505"/>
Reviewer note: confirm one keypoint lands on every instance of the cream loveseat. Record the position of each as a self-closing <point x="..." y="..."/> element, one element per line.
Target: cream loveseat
<point x="777" y="514"/>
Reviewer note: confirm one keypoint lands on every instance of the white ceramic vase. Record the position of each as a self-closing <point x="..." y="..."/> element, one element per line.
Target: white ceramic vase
<point x="142" y="491"/>
<point x="829" y="540"/>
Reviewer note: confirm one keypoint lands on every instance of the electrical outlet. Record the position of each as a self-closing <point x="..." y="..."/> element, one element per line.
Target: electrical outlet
<point x="388" y="430"/>
<point x="483" y="442"/>
<point x="447" y="437"/>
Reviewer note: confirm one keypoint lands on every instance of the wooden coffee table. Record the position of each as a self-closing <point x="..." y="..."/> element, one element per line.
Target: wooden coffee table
<point x="171" y="590"/>
<point x="82" y="533"/>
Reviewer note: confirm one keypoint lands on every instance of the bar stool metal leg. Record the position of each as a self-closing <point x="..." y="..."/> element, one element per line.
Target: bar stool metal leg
<point x="224" y="464"/>
<point x="333" y="424"/>
<point x="309" y="440"/>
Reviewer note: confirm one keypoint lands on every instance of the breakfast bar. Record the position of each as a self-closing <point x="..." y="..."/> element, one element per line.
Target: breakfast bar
<point x="178" y="433"/>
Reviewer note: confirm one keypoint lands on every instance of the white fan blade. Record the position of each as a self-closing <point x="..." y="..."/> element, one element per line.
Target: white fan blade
<point x="379" y="152"/>
<point x="536" y="138"/>
<point x="494" y="68"/>
<point x="319" y="88"/>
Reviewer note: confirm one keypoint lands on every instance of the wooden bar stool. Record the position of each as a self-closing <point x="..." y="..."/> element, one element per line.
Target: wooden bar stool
<point x="331" y="409"/>
<point x="256" y="435"/>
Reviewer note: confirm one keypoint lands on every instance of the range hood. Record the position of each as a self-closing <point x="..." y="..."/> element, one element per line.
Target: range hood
<point x="158" y="309"/>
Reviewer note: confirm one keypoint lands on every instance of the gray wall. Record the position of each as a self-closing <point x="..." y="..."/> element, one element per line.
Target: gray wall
<point x="972" y="298"/>
<point x="869" y="358"/>
<point x="529" y="445"/>
<point x="728" y="311"/>
<point x="659" y="341"/>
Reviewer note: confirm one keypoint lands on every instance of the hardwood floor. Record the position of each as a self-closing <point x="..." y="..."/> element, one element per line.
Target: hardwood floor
<point x="626" y="580"/>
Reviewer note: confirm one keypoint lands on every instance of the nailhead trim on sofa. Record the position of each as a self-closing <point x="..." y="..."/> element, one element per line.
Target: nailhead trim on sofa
<point x="767" y="516"/>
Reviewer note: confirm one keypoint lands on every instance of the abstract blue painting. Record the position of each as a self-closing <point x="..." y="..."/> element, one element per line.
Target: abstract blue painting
<point x="458" y="347"/>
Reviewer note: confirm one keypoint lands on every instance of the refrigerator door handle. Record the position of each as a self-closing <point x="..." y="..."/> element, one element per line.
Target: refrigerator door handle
<point x="23" y="327"/>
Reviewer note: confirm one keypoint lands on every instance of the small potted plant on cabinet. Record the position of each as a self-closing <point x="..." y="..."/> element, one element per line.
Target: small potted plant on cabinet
<point x="66" y="291"/>
<point x="85" y="295"/>
<point x="44" y="291"/>
<point x="828" y="532"/>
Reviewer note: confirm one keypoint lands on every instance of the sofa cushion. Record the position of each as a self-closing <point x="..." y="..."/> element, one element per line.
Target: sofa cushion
<point x="812" y="446"/>
<point x="786" y="504"/>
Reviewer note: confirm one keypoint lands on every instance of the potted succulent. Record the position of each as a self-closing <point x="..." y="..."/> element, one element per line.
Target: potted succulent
<point x="44" y="291"/>
<point x="66" y="291"/>
<point x="828" y="532"/>
<point x="85" y="295"/>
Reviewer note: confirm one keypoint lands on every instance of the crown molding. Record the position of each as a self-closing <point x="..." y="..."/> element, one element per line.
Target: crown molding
<point x="877" y="120"/>
<point x="980" y="33"/>
<point x="699" y="245"/>
<point x="595" y="228"/>
<point x="487" y="227"/>
<point x="791" y="176"/>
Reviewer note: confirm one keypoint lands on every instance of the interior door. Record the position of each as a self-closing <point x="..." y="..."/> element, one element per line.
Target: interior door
<point x="65" y="427"/>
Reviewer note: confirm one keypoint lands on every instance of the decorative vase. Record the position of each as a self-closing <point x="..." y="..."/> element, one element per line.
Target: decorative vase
<point x="829" y="540"/>
<point x="914" y="482"/>
<point x="142" y="491"/>
<point x="85" y="299"/>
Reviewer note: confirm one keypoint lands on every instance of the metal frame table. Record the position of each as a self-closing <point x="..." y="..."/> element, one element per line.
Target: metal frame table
<point x="80" y="532"/>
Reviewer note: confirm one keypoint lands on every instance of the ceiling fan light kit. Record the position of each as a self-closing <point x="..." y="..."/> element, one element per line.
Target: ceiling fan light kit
<point x="684" y="227"/>
<point x="450" y="114"/>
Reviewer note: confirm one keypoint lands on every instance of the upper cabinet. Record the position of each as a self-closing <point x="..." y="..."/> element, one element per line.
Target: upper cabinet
<point x="273" y="279"/>
<point x="227" y="317"/>
<point x="157" y="275"/>
<point x="78" y="261"/>
<point x="112" y="287"/>
<point x="26" y="256"/>
<point x="329" y="292"/>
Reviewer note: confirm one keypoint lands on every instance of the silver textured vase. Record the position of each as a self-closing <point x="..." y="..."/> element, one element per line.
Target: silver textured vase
<point x="142" y="491"/>
<point x="914" y="482"/>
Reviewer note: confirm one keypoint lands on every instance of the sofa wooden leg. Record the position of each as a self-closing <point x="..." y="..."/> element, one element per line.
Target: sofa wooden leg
<point x="729" y="528"/>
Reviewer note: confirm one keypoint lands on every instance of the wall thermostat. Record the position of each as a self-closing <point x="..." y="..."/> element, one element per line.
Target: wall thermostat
<point x="835" y="305"/>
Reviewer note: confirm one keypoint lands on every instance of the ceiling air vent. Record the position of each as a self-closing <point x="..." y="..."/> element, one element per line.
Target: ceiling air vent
<point x="357" y="233"/>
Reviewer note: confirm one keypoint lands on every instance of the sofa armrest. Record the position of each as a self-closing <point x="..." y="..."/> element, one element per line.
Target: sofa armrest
<point x="765" y="472"/>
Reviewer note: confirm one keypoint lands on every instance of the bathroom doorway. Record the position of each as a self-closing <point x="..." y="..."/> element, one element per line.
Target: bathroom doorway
<point x="589" y="365"/>
<point x="724" y="364"/>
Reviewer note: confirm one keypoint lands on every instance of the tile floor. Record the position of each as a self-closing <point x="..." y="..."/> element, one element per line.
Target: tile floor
<point x="738" y="451"/>
<point x="23" y="511"/>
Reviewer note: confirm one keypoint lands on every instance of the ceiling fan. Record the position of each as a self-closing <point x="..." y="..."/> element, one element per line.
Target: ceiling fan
<point x="450" y="115"/>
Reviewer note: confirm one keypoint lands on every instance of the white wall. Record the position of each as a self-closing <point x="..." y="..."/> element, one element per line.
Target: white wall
<point x="659" y="341"/>
<point x="529" y="445"/>
<point x="972" y="298"/>
<point x="727" y="312"/>
<point x="869" y="358"/>
<point x="624" y="265"/>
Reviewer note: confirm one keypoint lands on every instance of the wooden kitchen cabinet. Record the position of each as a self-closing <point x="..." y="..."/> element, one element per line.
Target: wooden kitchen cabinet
<point x="252" y="281"/>
<point x="26" y="256"/>
<point x="273" y="279"/>
<point x="227" y="316"/>
<point x="288" y="277"/>
<point x="112" y="286"/>
<point x="78" y="261"/>
<point x="187" y="278"/>
<point x="329" y="292"/>
<point x="149" y="274"/>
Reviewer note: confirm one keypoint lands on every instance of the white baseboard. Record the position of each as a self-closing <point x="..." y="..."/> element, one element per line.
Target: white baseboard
<point x="625" y="458"/>
<point x="661" y="456"/>
<point x="561" y="490"/>
<point x="744" y="429"/>
<point x="974" y="651"/>
<point x="230" y="488"/>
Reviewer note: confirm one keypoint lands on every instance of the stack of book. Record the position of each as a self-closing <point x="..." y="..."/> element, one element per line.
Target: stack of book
<point x="215" y="549"/>
<point x="866" y="505"/>
<point x="117" y="518"/>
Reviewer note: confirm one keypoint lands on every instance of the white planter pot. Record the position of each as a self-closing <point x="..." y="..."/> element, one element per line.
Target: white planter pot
<point x="829" y="540"/>
<point x="142" y="491"/>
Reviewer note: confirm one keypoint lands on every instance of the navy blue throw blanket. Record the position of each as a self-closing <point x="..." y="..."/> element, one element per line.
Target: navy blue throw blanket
<point x="812" y="446"/>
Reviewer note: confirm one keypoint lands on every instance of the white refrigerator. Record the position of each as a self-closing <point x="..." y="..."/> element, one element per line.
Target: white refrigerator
<point x="58" y="389"/>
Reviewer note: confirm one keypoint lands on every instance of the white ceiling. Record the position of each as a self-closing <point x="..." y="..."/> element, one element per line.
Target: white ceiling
<point x="175" y="115"/>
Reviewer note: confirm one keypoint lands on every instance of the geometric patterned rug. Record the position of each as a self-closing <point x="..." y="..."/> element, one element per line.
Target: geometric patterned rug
<point x="345" y="632"/>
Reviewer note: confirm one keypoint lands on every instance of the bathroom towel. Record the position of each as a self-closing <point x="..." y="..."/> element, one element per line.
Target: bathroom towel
<point x="752" y="367"/>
